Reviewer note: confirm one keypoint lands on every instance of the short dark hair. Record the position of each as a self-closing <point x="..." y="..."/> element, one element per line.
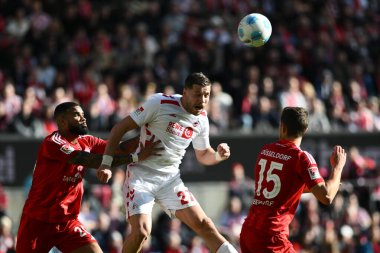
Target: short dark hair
<point x="63" y="108"/>
<point x="197" y="78"/>
<point x="296" y="120"/>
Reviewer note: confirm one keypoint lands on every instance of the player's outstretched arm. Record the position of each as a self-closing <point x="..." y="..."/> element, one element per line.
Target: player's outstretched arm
<point x="91" y="160"/>
<point x="210" y="156"/>
<point x="325" y="192"/>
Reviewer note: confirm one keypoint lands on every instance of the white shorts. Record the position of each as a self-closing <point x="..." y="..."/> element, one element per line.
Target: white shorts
<point x="142" y="189"/>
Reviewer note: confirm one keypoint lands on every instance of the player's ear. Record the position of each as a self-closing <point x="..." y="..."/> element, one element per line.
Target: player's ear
<point x="283" y="129"/>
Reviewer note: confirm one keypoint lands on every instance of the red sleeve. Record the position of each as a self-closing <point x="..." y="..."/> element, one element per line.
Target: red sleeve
<point x="96" y="145"/>
<point x="58" y="149"/>
<point x="309" y="170"/>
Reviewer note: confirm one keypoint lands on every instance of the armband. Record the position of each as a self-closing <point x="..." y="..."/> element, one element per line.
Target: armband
<point x="107" y="160"/>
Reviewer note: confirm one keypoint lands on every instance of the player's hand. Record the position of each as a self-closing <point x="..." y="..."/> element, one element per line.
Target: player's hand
<point x="338" y="157"/>
<point x="223" y="150"/>
<point x="104" y="173"/>
<point x="151" y="148"/>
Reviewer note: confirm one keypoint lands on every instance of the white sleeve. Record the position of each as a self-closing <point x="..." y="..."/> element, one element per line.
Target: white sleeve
<point x="147" y="111"/>
<point x="202" y="141"/>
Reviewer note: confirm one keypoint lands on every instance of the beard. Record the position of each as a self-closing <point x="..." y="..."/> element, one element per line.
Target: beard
<point x="78" y="130"/>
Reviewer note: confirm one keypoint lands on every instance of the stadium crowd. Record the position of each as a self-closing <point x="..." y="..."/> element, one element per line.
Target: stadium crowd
<point x="322" y="55"/>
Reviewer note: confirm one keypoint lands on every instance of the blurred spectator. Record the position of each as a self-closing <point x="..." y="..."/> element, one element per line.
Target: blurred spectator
<point x="241" y="186"/>
<point x="220" y="109"/>
<point x="27" y="124"/>
<point x="374" y="106"/>
<point x="3" y="201"/>
<point x="12" y="102"/>
<point x="249" y="106"/>
<point x="126" y="103"/>
<point x="231" y="220"/>
<point x="197" y="245"/>
<point x="48" y="123"/>
<point x="361" y="118"/>
<point x="359" y="166"/>
<point x="19" y="25"/>
<point x="46" y="73"/>
<point x="266" y="118"/>
<point x="318" y="121"/>
<point x="7" y="242"/>
<point x="292" y="96"/>
<point x="101" y="109"/>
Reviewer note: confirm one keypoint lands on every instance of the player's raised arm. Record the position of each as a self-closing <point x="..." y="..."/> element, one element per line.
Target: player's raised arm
<point x="325" y="192"/>
<point x="210" y="156"/>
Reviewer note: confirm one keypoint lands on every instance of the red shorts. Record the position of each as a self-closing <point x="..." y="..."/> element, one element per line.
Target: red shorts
<point x="251" y="242"/>
<point x="35" y="236"/>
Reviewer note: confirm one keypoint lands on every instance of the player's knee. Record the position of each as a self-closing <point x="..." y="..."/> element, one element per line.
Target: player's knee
<point x="140" y="234"/>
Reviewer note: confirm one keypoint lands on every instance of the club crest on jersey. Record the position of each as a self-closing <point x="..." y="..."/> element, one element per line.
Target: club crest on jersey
<point x="314" y="173"/>
<point x="176" y="129"/>
<point x="67" y="149"/>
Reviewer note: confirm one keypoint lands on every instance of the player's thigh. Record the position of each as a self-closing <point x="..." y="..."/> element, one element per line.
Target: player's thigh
<point x="34" y="236"/>
<point x="175" y="196"/>
<point x="74" y="237"/>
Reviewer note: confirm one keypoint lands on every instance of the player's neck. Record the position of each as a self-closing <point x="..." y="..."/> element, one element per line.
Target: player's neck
<point x="297" y="141"/>
<point x="72" y="138"/>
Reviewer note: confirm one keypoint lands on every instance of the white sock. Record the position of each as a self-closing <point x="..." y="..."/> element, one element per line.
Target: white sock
<point x="226" y="247"/>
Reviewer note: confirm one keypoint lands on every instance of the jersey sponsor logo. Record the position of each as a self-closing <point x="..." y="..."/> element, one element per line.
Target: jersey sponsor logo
<point x="67" y="149"/>
<point x="75" y="178"/>
<point x="257" y="202"/>
<point x="314" y="173"/>
<point x="178" y="130"/>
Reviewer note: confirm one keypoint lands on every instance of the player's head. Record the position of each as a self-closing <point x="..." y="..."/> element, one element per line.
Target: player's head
<point x="294" y="122"/>
<point x="70" y="118"/>
<point x="196" y="93"/>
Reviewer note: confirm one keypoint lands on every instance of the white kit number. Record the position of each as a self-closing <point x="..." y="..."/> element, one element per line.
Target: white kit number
<point x="82" y="231"/>
<point x="269" y="177"/>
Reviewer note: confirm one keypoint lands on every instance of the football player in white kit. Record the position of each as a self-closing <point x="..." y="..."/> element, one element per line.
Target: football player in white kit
<point x="176" y="121"/>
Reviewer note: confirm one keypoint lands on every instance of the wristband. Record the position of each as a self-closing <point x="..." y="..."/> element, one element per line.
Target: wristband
<point x="135" y="158"/>
<point x="218" y="158"/>
<point x="107" y="160"/>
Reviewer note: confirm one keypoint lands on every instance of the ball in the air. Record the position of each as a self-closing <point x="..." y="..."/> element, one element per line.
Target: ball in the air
<point x="254" y="30"/>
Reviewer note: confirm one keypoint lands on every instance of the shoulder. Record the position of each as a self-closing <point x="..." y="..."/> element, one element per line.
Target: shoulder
<point x="170" y="99"/>
<point x="306" y="156"/>
<point x="55" y="138"/>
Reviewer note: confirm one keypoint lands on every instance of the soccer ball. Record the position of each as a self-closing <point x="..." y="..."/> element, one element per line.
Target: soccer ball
<point x="254" y="30"/>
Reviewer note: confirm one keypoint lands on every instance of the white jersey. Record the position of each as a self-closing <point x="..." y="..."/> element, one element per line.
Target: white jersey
<point x="164" y="117"/>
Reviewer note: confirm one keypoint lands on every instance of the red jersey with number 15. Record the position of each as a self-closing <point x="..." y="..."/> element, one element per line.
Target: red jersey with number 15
<point x="282" y="172"/>
<point x="57" y="186"/>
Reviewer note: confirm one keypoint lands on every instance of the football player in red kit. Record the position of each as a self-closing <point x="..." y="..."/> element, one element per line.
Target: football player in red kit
<point x="50" y="214"/>
<point x="283" y="171"/>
